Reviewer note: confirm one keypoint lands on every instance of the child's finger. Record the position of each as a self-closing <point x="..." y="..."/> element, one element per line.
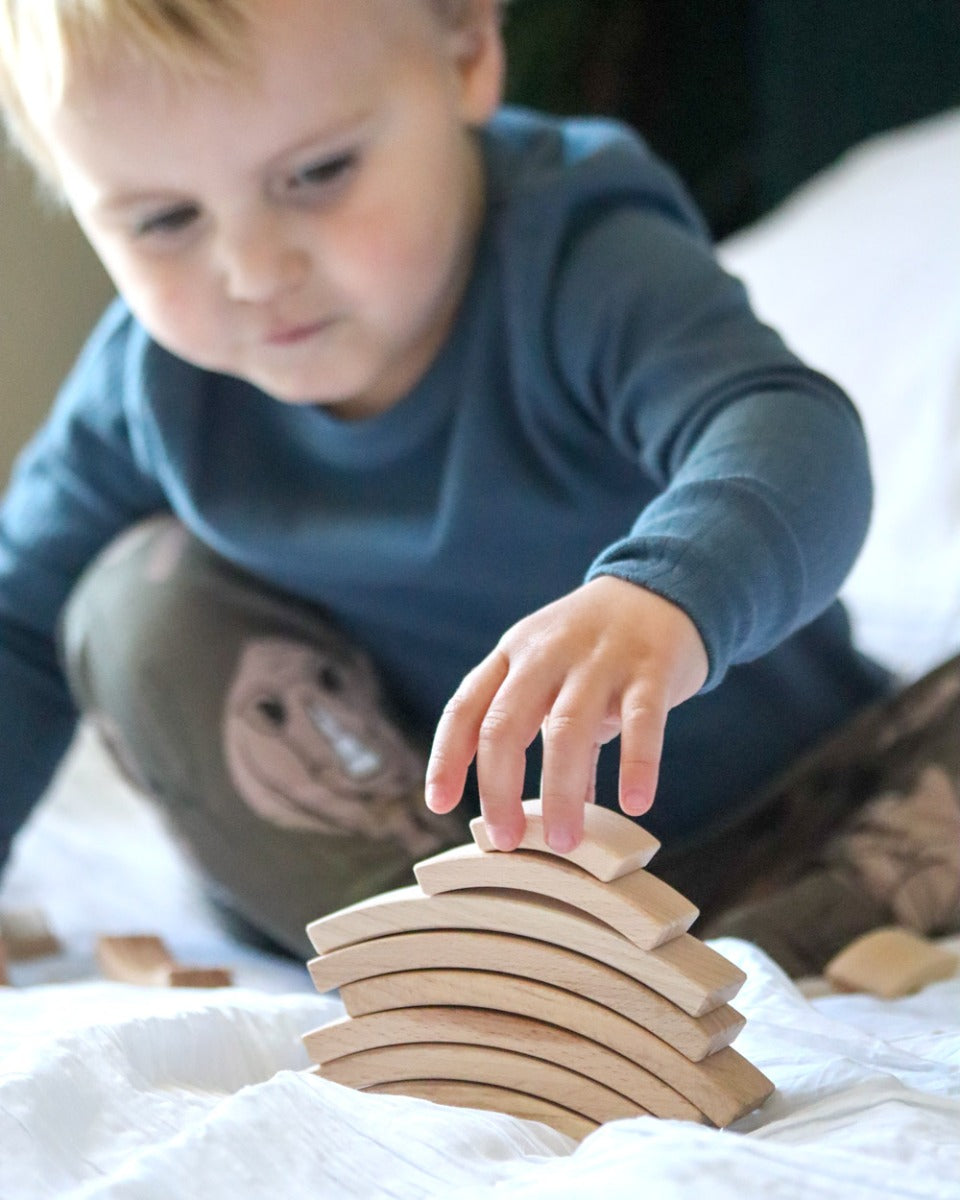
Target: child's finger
<point x="643" y="718"/>
<point x="458" y="731"/>
<point x="509" y="726"/>
<point x="572" y="734"/>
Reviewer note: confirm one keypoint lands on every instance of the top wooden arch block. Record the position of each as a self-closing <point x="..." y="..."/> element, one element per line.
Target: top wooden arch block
<point x="612" y="845"/>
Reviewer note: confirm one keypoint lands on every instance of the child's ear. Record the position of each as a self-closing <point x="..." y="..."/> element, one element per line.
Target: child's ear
<point x="480" y="60"/>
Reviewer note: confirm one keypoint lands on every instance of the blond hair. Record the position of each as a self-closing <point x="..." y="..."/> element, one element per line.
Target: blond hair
<point x="42" y="40"/>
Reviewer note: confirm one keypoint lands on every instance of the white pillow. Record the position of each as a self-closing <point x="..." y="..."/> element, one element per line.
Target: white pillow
<point x="860" y="271"/>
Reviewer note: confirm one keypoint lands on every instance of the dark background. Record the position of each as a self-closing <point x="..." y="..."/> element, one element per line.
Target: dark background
<point x="746" y="98"/>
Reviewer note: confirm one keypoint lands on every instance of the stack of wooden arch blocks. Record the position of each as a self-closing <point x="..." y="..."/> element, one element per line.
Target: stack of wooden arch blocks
<point x="564" y="989"/>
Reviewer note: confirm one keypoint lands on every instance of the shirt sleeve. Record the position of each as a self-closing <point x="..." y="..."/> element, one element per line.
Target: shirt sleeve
<point x="762" y="462"/>
<point x="76" y="485"/>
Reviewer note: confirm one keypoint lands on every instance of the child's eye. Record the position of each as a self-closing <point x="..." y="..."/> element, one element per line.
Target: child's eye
<point x="326" y="173"/>
<point x="167" y="223"/>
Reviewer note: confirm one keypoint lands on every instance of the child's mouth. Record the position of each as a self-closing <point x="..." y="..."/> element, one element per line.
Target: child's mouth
<point x="290" y="335"/>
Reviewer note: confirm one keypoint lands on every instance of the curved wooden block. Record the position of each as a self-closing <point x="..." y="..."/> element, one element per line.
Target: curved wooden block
<point x="501" y="1031"/>
<point x="504" y="953"/>
<point x="480" y="1064"/>
<point x="685" y="971"/>
<point x="488" y="1097"/>
<point x="694" y="1037"/>
<point x="725" y="1086"/>
<point x="612" y="845"/>
<point x="647" y="911"/>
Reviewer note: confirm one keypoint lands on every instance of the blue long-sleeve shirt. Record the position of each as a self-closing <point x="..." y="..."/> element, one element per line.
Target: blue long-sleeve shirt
<point x="606" y="403"/>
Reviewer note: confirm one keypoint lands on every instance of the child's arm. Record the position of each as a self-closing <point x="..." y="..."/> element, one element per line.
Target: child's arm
<point x="610" y="658"/>
<point x="765" y="502"/>
<point x="74" y="487"/>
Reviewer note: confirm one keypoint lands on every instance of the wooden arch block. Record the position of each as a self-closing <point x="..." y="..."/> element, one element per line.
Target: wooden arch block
<point x="514" y="956"/>
<point x="501" y="1031"/>
<point x="481" y="1064"/>
<point x="685" y="970"/>
<point x="605" y="989"/>
<point x="647" y="911"/>
<point x="488" y="1097"/>
<point x="611" y="846"/>
<point x="724" y="1087"/>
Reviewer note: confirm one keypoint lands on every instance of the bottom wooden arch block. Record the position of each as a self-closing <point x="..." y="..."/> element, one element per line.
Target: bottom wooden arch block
<point x="481" y="1064"/>
<point x="492" y="1099"/>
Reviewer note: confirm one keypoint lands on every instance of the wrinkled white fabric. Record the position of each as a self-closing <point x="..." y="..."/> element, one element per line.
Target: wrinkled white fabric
<point x="128" y="1093"/>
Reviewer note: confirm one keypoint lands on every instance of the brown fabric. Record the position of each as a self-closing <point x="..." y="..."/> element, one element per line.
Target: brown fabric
<point x="863" y="832"/>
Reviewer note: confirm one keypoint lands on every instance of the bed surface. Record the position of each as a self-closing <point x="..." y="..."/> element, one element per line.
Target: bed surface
<point x="112" y="1090"/>
<point x="120" y="1091"/>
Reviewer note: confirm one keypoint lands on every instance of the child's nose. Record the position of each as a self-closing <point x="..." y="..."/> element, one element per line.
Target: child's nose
<point x="260" y="264"/>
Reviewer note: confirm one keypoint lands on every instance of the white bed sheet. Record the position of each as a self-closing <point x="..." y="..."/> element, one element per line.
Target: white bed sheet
<point x="860" y="270"/>
<point x="108" y="1090"/>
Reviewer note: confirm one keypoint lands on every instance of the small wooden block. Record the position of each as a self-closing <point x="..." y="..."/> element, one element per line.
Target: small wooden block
<point x="486" y="1096"/>
<point x="685" y="971"/>
<point x="890" y="962"/>
<point x="647" y="911"/>
<point x="4" y="980"/>
<point x="612" y="845"/>
<point x="501" y="1031"/>
<point x="480" y="1064"/>
<point x="27" y="934"/>
<point x="725" y="1086"/>
<point x="144" y="959"/>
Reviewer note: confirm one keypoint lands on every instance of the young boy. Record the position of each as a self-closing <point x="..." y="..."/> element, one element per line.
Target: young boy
<point x="414" y="415"/>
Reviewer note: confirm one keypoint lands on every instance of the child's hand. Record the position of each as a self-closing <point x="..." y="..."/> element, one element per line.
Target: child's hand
<point x="609" y="658"/>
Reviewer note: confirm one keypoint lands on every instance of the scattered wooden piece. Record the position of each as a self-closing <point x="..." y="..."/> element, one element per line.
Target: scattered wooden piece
<point x="647" y="911"/>
<point x="890" y="962"/>
<point x="4" y="980"/>
<point x="693" y="1037"/>
<point x="724" y="1087"/>
<point x="27" y="934"/>
<point x="460" y="1026"/>
<point x="686" y="971"/>
<point x="480" y="1064"/>
<point x="144" y="959"/>
<point x="486" y="1096"/>
<point x="611" y="846"/>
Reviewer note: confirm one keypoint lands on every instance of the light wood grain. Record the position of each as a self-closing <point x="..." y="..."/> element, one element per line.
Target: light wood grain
<point x="694" y="1037"/>
<point x="501" y="1031"/>
<point x="724" y="1086"/>
<point x="612" y="846"/>
<point x="647" y="911"/>
<point x="27" y="934"/>
<point x="144" y="959"/>
<point x="480" y="1064"/>
<point x="487" y="1097"/>
<point x="685" y="971"/>
<point x="510" y="956"/>
<point x="890" y="962"/>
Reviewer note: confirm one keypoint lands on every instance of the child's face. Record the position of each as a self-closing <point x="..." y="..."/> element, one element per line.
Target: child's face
<point x="309" y="229"/>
